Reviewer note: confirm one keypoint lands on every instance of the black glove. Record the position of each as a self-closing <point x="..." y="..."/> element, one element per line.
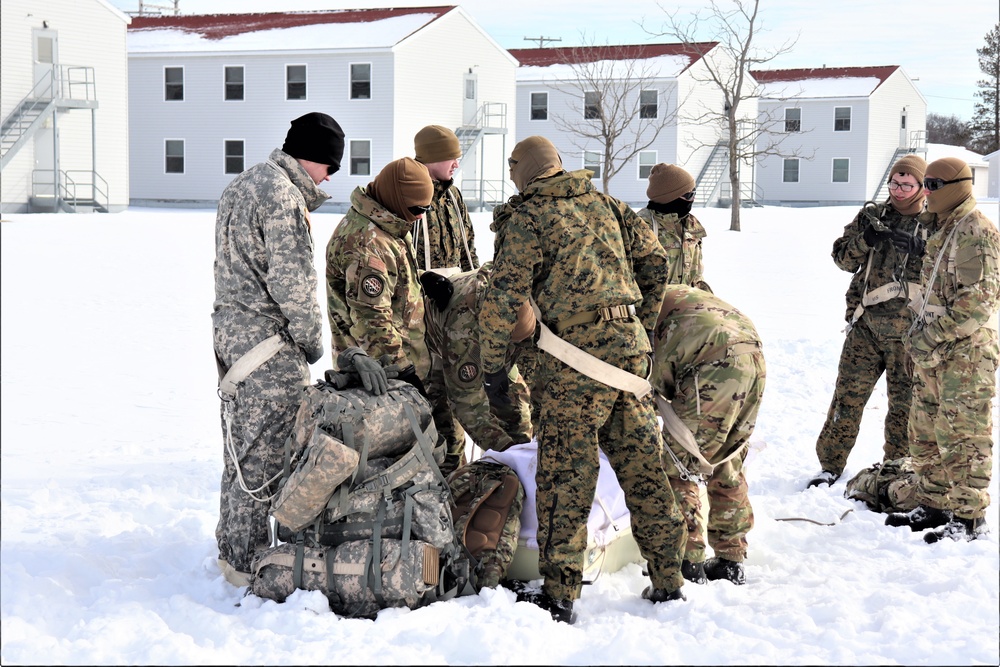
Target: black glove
<point x="409" y="374"/>
<point x="874" y="236"/>
<point x="497" y="386"/>
<point x="908" y="244"/>
<point x="369" y="370"/>
<point x="438" y="288"/>
<point x="649" y="335"/>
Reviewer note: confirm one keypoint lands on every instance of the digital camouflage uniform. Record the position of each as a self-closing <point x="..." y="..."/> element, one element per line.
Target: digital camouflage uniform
<point x="874" y="342"/>
<point x="265" y="284"/>
<point x="708" y="363"/>
<point x="576" y="250"/>
<point x="374" y="299"/>
<point x="681" y="238"/>
<point x="453" y="335"/>
<point x="445" y="224"/>
<point x="955" y="354"/>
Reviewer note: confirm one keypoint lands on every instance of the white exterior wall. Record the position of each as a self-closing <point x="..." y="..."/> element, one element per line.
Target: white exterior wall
<point x="993" y="178"/>
<point x="88" y="33"/>
<point x="888" y="102"/>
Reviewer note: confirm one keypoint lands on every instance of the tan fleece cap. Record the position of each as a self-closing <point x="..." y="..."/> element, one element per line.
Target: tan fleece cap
<point x="436" y="143"/>
<point x="667" y="182"/>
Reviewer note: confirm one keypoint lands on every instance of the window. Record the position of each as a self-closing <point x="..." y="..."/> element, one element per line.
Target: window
<point x="790" y="170"/>
<point x="173" y="150"/>
<point x="470" y="89"/>
<point x="46" y="50"/>
<point x="361" y="81"/>
<point x="234" y="156"/>
<point x="295" y="82"/>
<point x="648" y="104"/>
<point x="173" y="83"/>
<point x="234" y="83"/>
<point x="841" y="170"/>
<point x="591" y="105"/>
<point x="842" y="119"/>
<point x="793" y="120"/>
<point x="361" y="157"/>
<point x="646" y="161"/>
<point x="539" y="106"/>
<point x="592" y="161"/>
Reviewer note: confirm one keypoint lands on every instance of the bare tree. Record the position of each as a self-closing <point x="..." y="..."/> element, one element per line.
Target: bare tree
<point x="948" y="130"/>
<point x="735" y="29"/>
<point x="616" y="114"/>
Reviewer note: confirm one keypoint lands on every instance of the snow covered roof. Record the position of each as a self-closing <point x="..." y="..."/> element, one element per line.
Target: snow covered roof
<point x="273" y="31"/>
<point x="939" y="151"/>
<point x="822" y="81"/>
<point x="660" y="60"/>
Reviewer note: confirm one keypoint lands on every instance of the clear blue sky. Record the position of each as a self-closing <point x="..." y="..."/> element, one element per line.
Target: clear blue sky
<point x="932" y="40"/>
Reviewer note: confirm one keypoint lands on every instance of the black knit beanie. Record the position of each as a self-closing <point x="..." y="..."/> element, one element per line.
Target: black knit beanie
<point x="316" y="137"/>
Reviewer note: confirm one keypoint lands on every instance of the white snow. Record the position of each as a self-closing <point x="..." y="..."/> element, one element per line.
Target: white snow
<point x="112" y="454"/>
<point x="846" y="86"/>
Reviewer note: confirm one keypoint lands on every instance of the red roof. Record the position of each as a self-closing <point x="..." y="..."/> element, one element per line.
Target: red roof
<point x="568" y="55"/>
<point x="773" y="75"/>
<point x="217" y="26"/>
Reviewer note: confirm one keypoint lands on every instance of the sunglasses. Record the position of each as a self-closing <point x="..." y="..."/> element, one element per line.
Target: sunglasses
<point x="511" y="162"/>
<point x="905" y="187"/>
<point x="688" y="196"/>
<point x="418" y="210"/>
<point x="933" y="184"/>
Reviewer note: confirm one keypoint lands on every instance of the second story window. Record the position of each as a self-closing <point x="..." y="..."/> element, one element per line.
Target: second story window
<point x="591" y="106"/>
<point x="295" y="82"/>
<point x="361" y="157"/>
<point x="234" y="83"/>
<point x="173" y="83"/>
<point x="539" y="106"/>
<point x="361" y="81"/>
<point x="793" y="120"/>
<point x="173" y="151"/>
<point x="234" y="156"/>
<point x="648" y="104"/>
<point x="842" y="119"/>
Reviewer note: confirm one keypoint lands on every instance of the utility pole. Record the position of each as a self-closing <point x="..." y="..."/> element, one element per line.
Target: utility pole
<point x="146" y="9"/>
<point x="541" y="40"/>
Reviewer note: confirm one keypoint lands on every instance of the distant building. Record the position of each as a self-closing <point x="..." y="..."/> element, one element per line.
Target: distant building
<point x="993" y="162"/>
<point x="211" y="95"/>
<point x="849" y="126"/>
<point x="64" y="104"/>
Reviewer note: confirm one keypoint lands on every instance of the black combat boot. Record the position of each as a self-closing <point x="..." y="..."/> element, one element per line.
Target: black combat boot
<point x="655" y="595"/>
<point x="823" y="477"/>
<point x="723" y="568"/>
<point x="920" y="517"/>
<point x="958" y="529"/>
<point x="560" y="610"/>
<point x="694" y="572"/>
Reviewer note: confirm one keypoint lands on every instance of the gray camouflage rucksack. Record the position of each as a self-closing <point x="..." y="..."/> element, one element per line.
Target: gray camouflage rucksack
<point x="885" y="487"/>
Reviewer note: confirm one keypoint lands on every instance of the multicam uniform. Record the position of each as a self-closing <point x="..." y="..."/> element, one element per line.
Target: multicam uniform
<point x="373" y="294"/>
<point x="265" y="284"/>
<point x="575" y="251"/>
<point x="681" y="238"/>
<point x="708" y="363"/>
<point x="874" y="337"/>
<point x="955" y="350"/>
<point x="454" y="336"/>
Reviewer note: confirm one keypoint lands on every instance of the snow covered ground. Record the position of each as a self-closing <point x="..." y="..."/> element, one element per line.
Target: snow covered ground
<point x="112" y="453"/>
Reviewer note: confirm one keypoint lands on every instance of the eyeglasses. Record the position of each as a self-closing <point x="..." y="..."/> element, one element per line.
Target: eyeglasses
<point x="933" y="184"/>
<point x="418" y="210"/>
<point x="905" y="187"/>
<point x="511" y="162"/>
<point x="688" y="196"/>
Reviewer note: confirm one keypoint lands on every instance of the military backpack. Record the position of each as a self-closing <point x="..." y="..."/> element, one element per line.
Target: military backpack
<point x="885" y="487"/>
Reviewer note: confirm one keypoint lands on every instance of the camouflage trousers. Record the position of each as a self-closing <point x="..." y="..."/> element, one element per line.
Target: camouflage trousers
<point x="718" y="402"/>
<point x="447" y="423"/>
<point x="863" y="359"/>
<point x="527" y="364"/>
<point x="579" y="417"/>
<point x="951" y="430"/>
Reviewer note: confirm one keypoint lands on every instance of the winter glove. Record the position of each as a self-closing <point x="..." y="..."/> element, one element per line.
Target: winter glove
<point x="908" y="244"/>
<point x="372" y="375"/>
<point x="409" y="374"/>
<point x="875" y="235"/>
<point x="497" y="387"/>
<point x="312" y="356"/>
<point x="437" y="288"/>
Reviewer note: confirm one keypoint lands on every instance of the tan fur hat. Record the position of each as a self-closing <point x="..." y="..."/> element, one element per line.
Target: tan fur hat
<point x="525" y="324"/>
<point x="402" y="183"/>
<point x="953" y="194"/>
<point x="436" y="143"/>
<point x="667" y="182"/>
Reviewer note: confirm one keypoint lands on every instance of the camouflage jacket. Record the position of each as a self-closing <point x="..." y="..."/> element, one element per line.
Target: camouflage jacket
<point x="884" y="265"/>
<point x="373" y="293"/>
<point x="445" y="222"/>
<point x="695" y="327"/>
<point x="681" y="238"/>
<point x="966" y="286"/>
<point x="574" y="250"/>
<point x="454" y="335"/>
<point x="265" y="279"/>
<point x="501" y="216"/>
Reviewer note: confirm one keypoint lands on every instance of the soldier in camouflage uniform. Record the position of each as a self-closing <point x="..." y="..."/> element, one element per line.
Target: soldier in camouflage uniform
<point x="578" y="252"/>
<point x="954" y="347"/>
<point x="708" y="364"/>
<point x="671" y="193"/>
<point x="265" y="286"/>
<point x="453" y="335"/>
<point x="373" y="291"/>
<point x="883" y="248"/>
<point x="444" y="241"/>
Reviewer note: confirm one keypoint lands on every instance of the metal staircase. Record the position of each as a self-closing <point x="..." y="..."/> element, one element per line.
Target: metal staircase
<point x="709" y="181"/>
<point x="490" y="120"/>
<point x="918" y="144"/>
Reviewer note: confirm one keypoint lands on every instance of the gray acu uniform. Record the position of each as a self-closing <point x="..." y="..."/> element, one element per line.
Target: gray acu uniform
<point x="265" y="284"/>
<point x="575" y="251"/>
<point x="874" y="340"/>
